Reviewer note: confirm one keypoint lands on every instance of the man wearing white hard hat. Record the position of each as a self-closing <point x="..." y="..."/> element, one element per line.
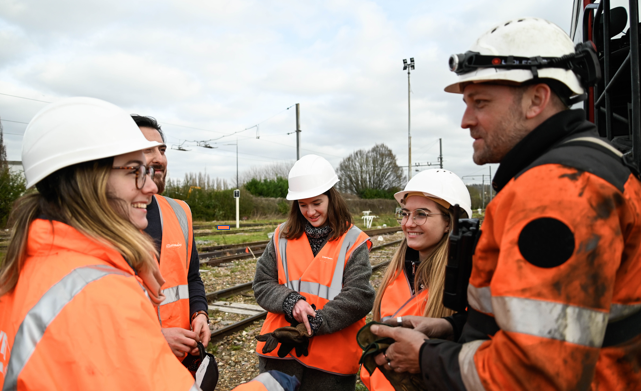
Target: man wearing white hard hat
<point x="79" y="283"/>
<point x="555" y="292"/>
<point x="183" y="315"/>
<point x="313" y="279"/>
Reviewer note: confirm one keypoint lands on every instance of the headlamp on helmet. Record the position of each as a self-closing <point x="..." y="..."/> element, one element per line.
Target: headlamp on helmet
<point x="583" y="62"/>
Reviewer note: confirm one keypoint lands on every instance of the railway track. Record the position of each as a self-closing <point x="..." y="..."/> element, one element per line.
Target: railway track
<point x="216" y="257"/>
<point x="256" y="312"/>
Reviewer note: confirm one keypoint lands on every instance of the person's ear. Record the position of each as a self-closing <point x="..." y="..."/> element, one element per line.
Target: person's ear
<point x="536" y="99"/>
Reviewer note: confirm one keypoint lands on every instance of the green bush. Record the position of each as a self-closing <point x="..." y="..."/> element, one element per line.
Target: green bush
<point x="275" y="188"/>
<point x="370" y="194"/>
<point x="12" y="186"/>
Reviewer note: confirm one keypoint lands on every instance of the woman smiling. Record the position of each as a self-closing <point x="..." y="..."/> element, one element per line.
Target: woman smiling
<point x="79" y="277"/>
<point x="314" y="274"/>
<point x="414" y="281"/>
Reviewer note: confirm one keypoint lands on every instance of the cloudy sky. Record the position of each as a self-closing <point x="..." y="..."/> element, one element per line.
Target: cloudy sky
<point x="207" y="69"/>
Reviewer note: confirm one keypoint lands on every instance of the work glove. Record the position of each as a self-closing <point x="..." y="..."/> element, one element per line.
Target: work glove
<point x="289" y="337"/>
<point x="372" y="346"/>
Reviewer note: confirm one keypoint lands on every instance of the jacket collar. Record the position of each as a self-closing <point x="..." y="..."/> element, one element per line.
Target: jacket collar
<point x="556" y="128"/>
<point x="51" y="236"/>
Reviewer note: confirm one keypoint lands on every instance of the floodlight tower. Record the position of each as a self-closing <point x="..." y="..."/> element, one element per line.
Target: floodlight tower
<point x="409" y="67"/>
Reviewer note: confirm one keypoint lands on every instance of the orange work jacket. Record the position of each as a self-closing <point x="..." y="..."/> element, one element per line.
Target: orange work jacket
<point x="175" y="254"/>
<point x="79" y="320"/>
<point x="319" y="279"/>
<point x="398" y="300"/>
<point x="556" y="323"/>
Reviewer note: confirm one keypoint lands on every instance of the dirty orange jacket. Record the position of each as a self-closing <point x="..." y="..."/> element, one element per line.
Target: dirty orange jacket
<point x="319" y="279"/>
<point x="79" y="320"/>
<point x="557" y="271"/>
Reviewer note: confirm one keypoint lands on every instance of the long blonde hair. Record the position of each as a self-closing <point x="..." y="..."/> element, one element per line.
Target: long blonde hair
<point x="430" y="273"/>
<point x="77" y="196"/>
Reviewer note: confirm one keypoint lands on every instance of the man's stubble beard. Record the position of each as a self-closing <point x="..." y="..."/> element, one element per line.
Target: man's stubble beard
<point x="506" y="134"/>
<point x="160" y="181"/>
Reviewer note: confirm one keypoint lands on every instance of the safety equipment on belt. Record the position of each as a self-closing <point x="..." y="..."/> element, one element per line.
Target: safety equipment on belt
<point x="311" y="176"/>
<point x="439" y="184"/>
<point x="77" y="130"/>
<point x="203" y="368"/>
<point x="372" y="346"/>
<point x="527" y="49"/>
<point x="289" y="337"/>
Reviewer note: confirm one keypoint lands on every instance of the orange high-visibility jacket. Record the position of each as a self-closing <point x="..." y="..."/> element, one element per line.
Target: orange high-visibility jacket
<point x="319" y="279"/>
<point x="175" y="254"/>
<point x="79" y="320"/>
<point x="398" y="300"/>
<point x="557" y="271"/>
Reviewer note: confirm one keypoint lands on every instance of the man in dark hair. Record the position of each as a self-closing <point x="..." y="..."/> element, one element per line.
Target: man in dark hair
<point x="183" y="314"/>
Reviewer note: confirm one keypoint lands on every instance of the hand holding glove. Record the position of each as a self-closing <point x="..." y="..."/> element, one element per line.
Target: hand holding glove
<point x="289" y="337"/>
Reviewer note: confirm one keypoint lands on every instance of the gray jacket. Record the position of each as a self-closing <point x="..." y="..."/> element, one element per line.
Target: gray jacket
<point x="353" y="303"/>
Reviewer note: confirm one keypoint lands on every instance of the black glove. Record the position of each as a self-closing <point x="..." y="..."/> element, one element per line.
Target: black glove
<point x="289" y="337"/>
<point x="372" y="346"/>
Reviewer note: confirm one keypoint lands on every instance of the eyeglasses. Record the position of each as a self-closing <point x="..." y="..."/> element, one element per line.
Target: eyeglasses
<point x="419" y="218"/>
<point x="141" y="173"/>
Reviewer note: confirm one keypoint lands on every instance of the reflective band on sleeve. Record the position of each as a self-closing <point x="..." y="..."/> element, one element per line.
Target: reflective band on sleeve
<point x="282" y="250"/>
<point x="175" y="293"/>
<point x="480" y="298"/>
<point x="44" y="312"/>
<point x="469" y="374"/>
<point x="269" y="382"/>
<point x="621" y="311"/>
<point x="546" y="319"/>
<point x="184" y="225"/>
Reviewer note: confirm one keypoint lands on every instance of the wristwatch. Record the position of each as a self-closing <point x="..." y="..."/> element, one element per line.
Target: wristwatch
<point x="195" y="314"/>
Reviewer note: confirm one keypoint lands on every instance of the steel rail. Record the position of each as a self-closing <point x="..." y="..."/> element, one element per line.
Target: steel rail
<point x="218" y="260"/>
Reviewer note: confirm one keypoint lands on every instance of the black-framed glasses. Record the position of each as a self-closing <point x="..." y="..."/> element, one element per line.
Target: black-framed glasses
<point x="419" y="218"/>
<point x="141" y="173"/>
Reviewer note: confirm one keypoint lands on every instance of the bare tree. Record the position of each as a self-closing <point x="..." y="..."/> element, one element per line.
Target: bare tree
<point x="375" y="169"/>
<point x="269" y="171"/>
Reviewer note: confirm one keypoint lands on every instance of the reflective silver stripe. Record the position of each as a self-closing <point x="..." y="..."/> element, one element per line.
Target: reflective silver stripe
<point x="269" y="382"/>
<point x="469" y="374"/>
<point x="175" y="293"/>
<point x="184" y="224"/>
<point x="282" y="250"/>
<point x="327" y="292"/>
<point x="563" y="322"/>
<point x="622" y="311"/>
<point x="44" y="312"/>
<point x="195" y="387"/>
<point x="480" y="298"/>
<point x="337" y="279"/>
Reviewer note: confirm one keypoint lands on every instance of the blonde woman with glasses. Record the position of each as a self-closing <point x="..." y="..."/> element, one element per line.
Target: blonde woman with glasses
<point x="412" y="287"/>
<point x="79" y="282"/>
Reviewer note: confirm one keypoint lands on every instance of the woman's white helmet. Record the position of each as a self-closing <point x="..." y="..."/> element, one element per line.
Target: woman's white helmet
<point x="77" y="130"/>
<point x="311" y="176"/>
<point x="526" y="38"/>
<point x="440" y="184"/>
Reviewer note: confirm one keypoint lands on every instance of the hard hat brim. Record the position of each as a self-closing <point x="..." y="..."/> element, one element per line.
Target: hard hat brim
<point x="488" y="75"/>
<point x="301" y="195"/>
<point x="58" y="162"/>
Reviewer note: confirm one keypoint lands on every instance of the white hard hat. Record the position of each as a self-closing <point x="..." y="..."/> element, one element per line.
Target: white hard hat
<point x="76" y="130"/>
<point x="311" y="176"/>
<point x="522" y="39"/>
<point x="440" y="184"/>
